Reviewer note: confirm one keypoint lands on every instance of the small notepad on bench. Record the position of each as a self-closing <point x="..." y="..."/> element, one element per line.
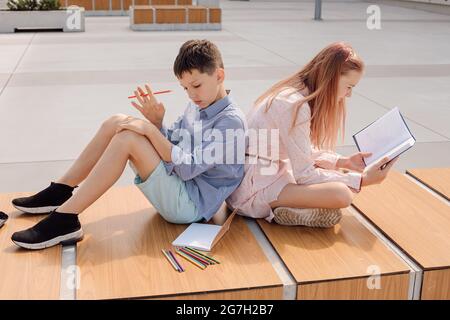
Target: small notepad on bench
<point x="203" y="236"/>
<point x="389" y="136"/>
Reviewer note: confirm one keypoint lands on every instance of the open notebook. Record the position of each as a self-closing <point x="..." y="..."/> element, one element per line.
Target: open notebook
<point x="389" y="136"/>
<point x="204" y="236"/>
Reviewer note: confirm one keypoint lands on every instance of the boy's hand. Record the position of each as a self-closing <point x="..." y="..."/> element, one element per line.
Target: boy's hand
<point x="150" y="108"/>
<point x="139" y="126"/>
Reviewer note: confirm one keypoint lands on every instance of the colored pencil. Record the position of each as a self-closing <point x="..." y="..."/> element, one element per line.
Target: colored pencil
<point x="195" y="256"/>
<point x="170" y="260"/>
<point x="176" y="261"/>
<point x="157" y="92"/>
<point x="199" y="255"/>
<point x="192" y="260"/>
<point x="203" y="255"/>
<point x="188" y="258"/>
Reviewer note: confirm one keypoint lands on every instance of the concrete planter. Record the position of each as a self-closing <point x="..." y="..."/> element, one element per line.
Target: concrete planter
<point x="69" y="19"/>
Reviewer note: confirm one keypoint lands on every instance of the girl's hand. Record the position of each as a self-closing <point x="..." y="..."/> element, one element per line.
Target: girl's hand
<point x="324" y="164"/>
<point x="355" y="162"/>
<point x="139" y="126"/>
<point x="375" y="174"/>
<point x="149" y="107"/>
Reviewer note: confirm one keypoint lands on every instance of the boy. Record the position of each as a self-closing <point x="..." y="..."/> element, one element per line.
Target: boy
<point x="174" y="168"/>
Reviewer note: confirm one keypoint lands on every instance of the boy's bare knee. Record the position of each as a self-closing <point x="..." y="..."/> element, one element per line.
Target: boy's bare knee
<point x="131" y="140"/>
<point x="126" y="139"/>
<point x="113" y="122"/>
<point x="344" y="196"/>
<point x="127" y="136"/>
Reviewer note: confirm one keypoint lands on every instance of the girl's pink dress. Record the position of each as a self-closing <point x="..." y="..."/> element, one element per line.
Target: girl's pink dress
<point x="265" y="175"/>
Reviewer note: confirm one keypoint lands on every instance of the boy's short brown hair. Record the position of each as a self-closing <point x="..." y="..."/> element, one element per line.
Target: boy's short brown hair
<point x="202" y="55"/>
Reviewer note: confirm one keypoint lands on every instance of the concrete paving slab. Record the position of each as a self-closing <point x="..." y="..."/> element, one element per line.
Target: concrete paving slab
<point x="425" y="100"/>
<point x="36" y="176"/>
<point x="404" y="30"/>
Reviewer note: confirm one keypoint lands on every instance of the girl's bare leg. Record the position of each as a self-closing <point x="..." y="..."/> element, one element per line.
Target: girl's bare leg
<point x="92" y="153"/>
<point x="323" y="195"/>
<point x="124" y="146"/>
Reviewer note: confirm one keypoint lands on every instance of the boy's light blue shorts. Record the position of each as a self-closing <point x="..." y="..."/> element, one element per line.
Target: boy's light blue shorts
<point x="168" y="194"/>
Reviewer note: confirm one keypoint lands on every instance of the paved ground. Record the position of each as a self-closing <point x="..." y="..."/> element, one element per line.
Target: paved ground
<point x="57" y="88"/>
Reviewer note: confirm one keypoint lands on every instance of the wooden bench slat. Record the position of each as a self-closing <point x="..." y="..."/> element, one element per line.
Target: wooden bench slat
<point x="121" y="257"/>
<point x="26" y="274"/>
<point x="412" y="217"/>
<point x="436" y="285"/>
<point x="393" y="287"/>
<point x="320" y="259"/>
<point x="437" y="179"/>
<point x="417" y="222"/>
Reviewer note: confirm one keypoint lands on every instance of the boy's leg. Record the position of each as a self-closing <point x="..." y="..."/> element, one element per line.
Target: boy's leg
<point x="126" y="145"/>
<point x="63" y="226"/>
<point x="57" y="193"/>
<point x="83" y="165"/>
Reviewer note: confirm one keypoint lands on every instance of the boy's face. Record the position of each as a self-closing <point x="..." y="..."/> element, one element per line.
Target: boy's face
<point x="203" y="89"/>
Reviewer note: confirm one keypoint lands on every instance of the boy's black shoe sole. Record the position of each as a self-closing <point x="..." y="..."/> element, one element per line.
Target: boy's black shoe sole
<point x="36" y="210"/>
<point x="3" y="218"/>
<point x="66" y="239"/>
<point x="56" y="228"/>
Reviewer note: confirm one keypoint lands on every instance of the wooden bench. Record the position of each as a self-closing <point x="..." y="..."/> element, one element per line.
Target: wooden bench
<point x="120" y="257"/>
<point x="26" y="274"/>
<point x="417" y="222"/>
<point x="339" y="262"/>
<point x="437" y="179"/>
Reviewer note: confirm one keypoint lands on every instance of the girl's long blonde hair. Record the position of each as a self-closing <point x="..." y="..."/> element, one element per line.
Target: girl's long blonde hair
<point x="321" y="77"/>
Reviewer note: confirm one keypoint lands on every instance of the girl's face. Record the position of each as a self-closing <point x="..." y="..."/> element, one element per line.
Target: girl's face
<point x="346" y="84"/>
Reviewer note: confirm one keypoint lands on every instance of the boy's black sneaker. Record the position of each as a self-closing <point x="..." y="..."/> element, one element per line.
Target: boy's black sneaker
<point x="3" y="218"/>
<point x="46" y="200"/>
<point x="56" y="228"/>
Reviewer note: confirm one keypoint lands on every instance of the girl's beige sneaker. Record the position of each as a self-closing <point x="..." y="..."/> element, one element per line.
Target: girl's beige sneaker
<point x="310" y="217"/>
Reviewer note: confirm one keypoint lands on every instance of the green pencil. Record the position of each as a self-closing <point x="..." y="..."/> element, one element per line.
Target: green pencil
<point x="203" y="255"/>
<point x="191" y="260"/>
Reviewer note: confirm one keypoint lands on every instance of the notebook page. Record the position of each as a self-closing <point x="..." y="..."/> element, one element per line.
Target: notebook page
<point x="397" y="150"/>
<point x="382" y="136"/>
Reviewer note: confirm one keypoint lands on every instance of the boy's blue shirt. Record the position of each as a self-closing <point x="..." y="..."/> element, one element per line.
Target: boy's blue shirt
<point x="208" y="183"/>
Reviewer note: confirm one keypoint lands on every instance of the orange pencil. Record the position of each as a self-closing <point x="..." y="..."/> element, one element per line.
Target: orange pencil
<point x="157" y="92"/>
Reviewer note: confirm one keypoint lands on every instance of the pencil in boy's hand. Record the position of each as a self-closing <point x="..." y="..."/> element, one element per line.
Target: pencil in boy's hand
<point x="157" y="92"/>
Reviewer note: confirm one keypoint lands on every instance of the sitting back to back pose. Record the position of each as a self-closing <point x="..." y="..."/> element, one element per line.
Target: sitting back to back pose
<point x="172" y="172"/>
<point x="301" y="183"/>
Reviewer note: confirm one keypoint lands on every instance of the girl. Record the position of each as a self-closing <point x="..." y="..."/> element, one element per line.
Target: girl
<point x="301" y="183"/>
